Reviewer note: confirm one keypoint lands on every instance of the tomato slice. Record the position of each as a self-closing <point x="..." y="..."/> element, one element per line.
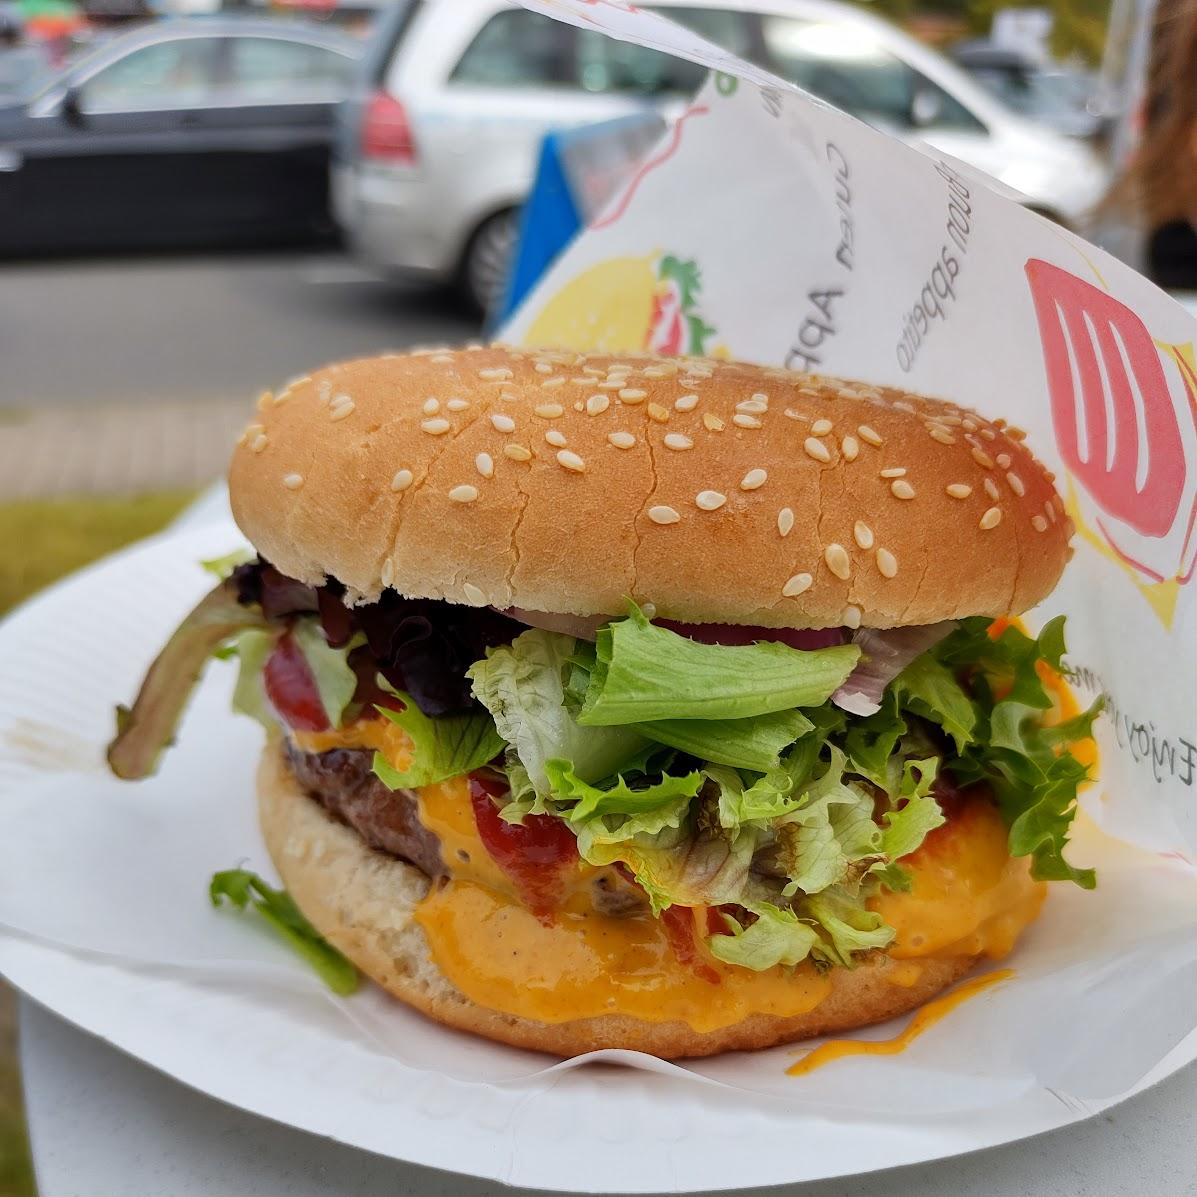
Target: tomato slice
<point x="292" y="690"/>
<point x="537" y="854"/>
<point x="678" y="924"/>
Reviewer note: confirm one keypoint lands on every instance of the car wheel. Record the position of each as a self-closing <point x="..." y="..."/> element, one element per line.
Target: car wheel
<point x="487" y="258"/>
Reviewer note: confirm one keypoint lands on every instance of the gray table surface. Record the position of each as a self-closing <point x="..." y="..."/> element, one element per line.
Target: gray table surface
<point x="105" y="1125"/>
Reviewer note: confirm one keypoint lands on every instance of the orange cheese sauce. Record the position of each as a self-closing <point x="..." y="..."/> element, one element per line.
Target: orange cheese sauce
<point x="927" y="1017"/>
<point x="378" y="735"/>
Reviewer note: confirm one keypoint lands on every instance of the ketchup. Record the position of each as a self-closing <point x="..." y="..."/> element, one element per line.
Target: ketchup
<point x="292" y="690"/>
<point x="678" y="924"/>
<point x="537" y="854"/>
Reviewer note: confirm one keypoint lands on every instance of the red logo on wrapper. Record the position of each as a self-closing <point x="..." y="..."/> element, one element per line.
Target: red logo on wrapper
<point x="1115" y="398"/>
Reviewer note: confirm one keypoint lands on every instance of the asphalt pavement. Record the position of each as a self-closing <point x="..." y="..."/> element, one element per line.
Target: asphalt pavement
<point x="198" y="328"/>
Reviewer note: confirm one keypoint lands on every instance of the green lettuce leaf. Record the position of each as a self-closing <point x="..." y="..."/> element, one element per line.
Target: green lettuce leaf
<point x="777" y="936"/>
<point x="643" y="673"/>
<point x="755" y="744"/>
<point x="247" y="891"/>
<point x="927" y="687"/>
<point x="846" y="926"/>
<point x="905" y="828"/>
<point x="523" y="686"/>
<point x="620" y="798"/>
<point x="442" y="748"/>
<point x="222" y="567"/>
<point x="329" y="667"/>
<point x="251" y="649"/>
<point x="146" y="730"/>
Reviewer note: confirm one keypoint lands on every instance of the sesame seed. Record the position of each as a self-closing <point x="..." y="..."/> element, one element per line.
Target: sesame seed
<point x="1016" y="434"/>
<point x="816" y="449"/>
<point x="785" y="521"/>
<point x="989" y="434"/>
<point x="337" y="400"/>
<point x="431" y="406"/>
<point x="495" y="374"/>
<point x="712" y="423"/>
<point x="556" y="438"/>
<point x="969" y="425"/>
<point x="901" y="489"/>
<point x="941" y="434"/>
<point x="402" y="480"/>
<point x="571" y="461"/>
<point x="485" y="465"/>
<point x="902" y="405"/>
<point x="753" y="480"/>
<point x="798" y="584"/>
<point x="894" y="472"/>
<point x="821" y="427"/>
<point x="474" y="594"/>
<point x="549" y="411"/>
<point x="258" y="443"/>
<point x="292" y="481"/>
<point x="442" y="359"/>
<point x="1038" y="523"/>
<point x="323" y="390"/>
<point x="340" y="410"/>
<point x="951" y="421"/>
<point x="675" y="440"/>
<point x="502" y="423"/>
<point x="757" y="397"/>
<point x="754" y="406"/>
<point x="959" y="490"/>
<point x="709" y="500"/>
<point x="887" y="563"/>
<point x="608" y="384"/>
<point x="991" y="518"/>
<point x="851" y="617"/>
<point x="632" y="395"/>
<point x="543" y="367"/>
<point x="869" y="434"/>
<point x="550" y="383"/>
<point x="850" y="448"/>
<point x="742" y="420"/>
<point x="265" y="399"/>
<point x="1003" y="460"/>
<point x="621" y="440"/>
<point x="437" y="426"/>
<point x="517" y="452"/>
<point x="863" y="534"/>
<point x="991" y="489"/>
<point x="663" y="515"/>
<point x="686" y="402"/>
<point x="791" y="414"/>
<point x="596" y="371"/>
<point x="691" y="381"/>
<point x="464" y="493"/>
<point x="657" y="412"/>
<point x="661" y="370"/>
<point x="838" y="561"/>
<point x="388" y="572"/>
<point x="457" y="404"/>
<point x="1051" y="512"/>
<point x="982" y="458"/>
<point x="597" y="404"/>
<point x="587" y="381"/>
<point x="1016" y="484"/>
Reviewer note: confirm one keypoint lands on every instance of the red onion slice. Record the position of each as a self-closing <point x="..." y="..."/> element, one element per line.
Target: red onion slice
<point x="884" y="654"/>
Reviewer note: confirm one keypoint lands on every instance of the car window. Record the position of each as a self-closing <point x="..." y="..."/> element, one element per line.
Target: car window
<point x="842" y="64"/>
<point x="169" y="74"/>
<point x="273" y="69"/>
<point x="517" y="48"/>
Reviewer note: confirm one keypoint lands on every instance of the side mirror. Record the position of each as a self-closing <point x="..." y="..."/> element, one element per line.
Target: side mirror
<point x="72" y="111"/>
<point x="926" y="107"/>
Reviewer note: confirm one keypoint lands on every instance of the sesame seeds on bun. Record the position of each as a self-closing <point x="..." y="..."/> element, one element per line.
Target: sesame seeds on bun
<point x="719" y="491"/>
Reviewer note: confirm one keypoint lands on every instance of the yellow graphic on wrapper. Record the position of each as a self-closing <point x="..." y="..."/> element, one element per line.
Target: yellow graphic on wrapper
<point x="1161" y="596"/>
<point x="627" y="304"/>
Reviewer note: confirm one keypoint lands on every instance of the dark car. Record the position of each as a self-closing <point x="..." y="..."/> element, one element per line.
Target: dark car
<point x="187" y="132"/>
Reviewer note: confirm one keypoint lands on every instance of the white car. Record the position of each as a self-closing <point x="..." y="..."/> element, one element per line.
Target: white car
<point x="438" y="147"/>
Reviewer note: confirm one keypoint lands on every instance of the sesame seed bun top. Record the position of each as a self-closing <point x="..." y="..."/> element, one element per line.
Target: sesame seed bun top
<point x="718" y="491"/>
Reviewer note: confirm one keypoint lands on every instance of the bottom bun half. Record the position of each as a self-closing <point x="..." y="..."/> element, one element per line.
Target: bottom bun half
<point x="363" y="902"/>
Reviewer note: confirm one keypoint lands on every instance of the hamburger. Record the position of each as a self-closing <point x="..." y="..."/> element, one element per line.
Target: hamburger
<point x="642" y="702"/>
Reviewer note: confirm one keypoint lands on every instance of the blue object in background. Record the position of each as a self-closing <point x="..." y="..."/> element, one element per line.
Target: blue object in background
<point x="578" y="172"/>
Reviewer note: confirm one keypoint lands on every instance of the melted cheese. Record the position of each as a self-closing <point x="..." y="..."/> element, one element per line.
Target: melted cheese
<point x="927" y="1017"/>
<point x="966" y="896"/>
<point x="378" y="735"/>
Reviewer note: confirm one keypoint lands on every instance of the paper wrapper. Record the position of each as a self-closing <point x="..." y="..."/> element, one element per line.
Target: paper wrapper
<point x="767" y="227"/>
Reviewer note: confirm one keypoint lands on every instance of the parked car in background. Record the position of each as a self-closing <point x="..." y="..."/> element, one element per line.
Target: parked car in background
<point x="437" y="146"/>
<point x="183" y="132"/>
<point x="1061" y="98"/>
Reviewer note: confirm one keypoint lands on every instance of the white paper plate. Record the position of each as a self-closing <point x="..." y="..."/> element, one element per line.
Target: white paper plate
<point x="246" y="1025"/>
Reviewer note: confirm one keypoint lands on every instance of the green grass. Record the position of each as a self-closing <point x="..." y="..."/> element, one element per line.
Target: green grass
<point x="43" y="540"/>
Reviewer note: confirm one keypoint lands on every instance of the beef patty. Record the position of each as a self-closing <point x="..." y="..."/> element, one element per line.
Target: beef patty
<point x="342" y="782"/>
